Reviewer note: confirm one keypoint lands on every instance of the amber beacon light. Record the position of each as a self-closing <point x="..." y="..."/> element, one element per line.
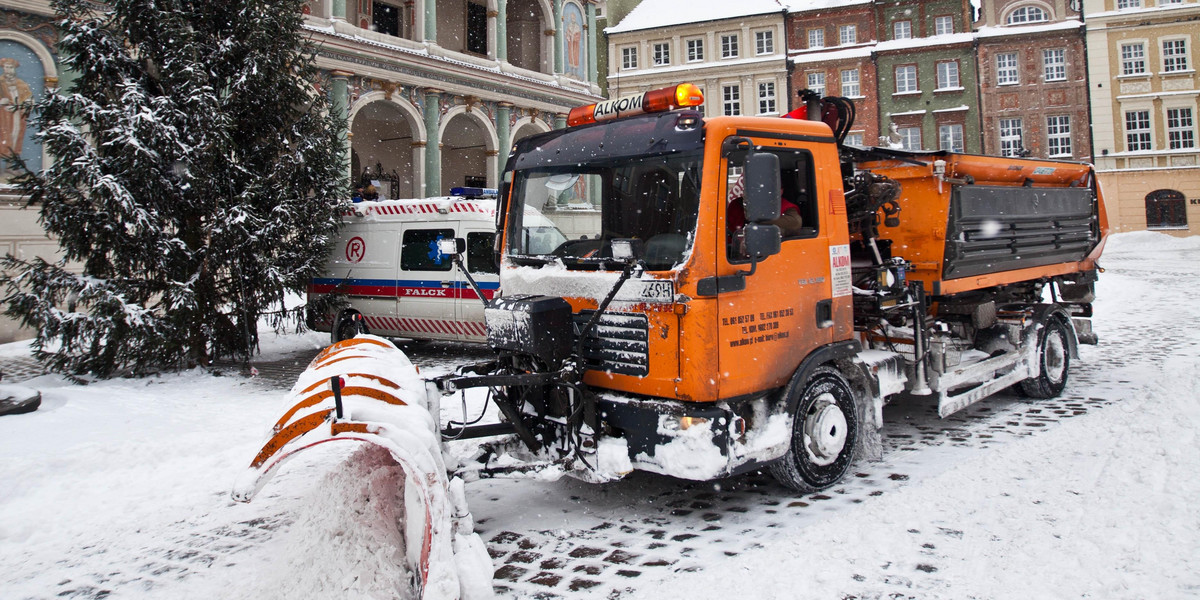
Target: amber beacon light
<point x="662" y="99"/>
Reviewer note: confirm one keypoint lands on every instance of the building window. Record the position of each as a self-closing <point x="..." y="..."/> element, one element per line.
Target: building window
<point x="1010" y="138"/>
<point x="729" y="46"/>
<point x="906" y="79"/>
<point x="816" y="82"/>
<point x="947" y="75"/>
<point x="1006" y="69"/>
<point x="1027" y="14"/>
<point x="662" y="54"/>
<point x="1133" y="59"/>
<point x="385" y="18"/>
<point x="910" y="137"/>
<point x="477" y="22"/>
<point x="943" y="25"/>
<point x="1137" y="130"/>
<point x="1166" y="209"/>
<point x="816" y="38"/>
<point x="732" y="96"/>
<point x="1125" y="4"/>
<point x="764" y="42"/>
<point x="848" y="34"/>
<point x="1181" y="132"/>
<point x="850" y="86"/>
<point x="766" y="98"/>
<point x="1054" y="64"/>
<point x="901" y="30"/>
<point x="695" y="50"/>
<point x="1174" y="55"/>
<point x="854" y="139"/>
<point x="950" y="137"/>
<point x="1058" y="135"/>
<point x="629" y="58"/>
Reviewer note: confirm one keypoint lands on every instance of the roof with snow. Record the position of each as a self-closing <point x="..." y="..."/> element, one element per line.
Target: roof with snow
<point x="652" y="14"/>
<point x="807" y="5"/>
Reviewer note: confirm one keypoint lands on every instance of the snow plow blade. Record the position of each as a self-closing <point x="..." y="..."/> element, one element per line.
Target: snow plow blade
<point x="364" y="389"/>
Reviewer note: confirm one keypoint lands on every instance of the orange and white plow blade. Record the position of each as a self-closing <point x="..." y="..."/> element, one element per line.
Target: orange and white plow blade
<point x="384" y="402"/>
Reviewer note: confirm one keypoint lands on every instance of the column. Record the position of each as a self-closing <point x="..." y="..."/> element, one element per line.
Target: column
<point x="431" y="22"/>
<point x="503" y="135"/>
<point x="338" y="9"/>
<point x="340" y="100"/>
<point x="502" y="30"/>
<point x="433" y="143"/>
<point x="560" y="121"/>
<point x="593" y="72"/>
<point x="558" y="38"/>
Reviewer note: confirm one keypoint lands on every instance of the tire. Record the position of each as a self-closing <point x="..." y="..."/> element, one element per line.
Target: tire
<point x="1054" y="361"/>
<point x="826" y="407"/>
<point x="348" y="325"/>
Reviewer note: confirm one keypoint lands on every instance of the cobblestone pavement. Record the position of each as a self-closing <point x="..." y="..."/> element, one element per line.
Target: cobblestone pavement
<point x="16" y="369"/>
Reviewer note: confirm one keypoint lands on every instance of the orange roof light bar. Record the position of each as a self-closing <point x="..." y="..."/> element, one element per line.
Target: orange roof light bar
<point x="663" y="99"/>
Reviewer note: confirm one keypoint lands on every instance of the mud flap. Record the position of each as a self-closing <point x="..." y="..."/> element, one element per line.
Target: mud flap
<point x="365" y="390"/>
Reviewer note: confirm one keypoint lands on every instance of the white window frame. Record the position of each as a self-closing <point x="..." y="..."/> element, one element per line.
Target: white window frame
<point x="910" y="138"/>
<point x="731" y="99"/>
<point x="1054" y="64"/>
<point x="902" y="30"/>
<point x="855" y="138"/>
<point x="660" y="54"/>
<point x="729" y="46"/>
<point x="764" y="42"/>
<point x="767" y="104"/>
<point x="629" y="58"/>
<point x="816" y="38"/>
<point x="943" y="25"/>
<point x="1012" y="141"/>
<point x="1181" y="128"/>
<point x="851" y="86"/>
<point x="1133" y="58"/>
<point x="1027" y="14"/>
<point x="1128" y="4"/>
<point x="903" y="83"/>
<point x="848" y="34"/>
<point x="947" y="75"/>
<point x="1140" y="137"/>
<point x="1058" y="135"/>
<point x="950" y="137"/>
<point x="1175" y="61"/>
<point x="816" y="81"/>
<point x="694" y="49"/>
<point x="1007" y="71"/>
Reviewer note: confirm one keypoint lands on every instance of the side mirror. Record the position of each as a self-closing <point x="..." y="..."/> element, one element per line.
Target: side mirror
<point x="762" y="187"/>
<point x="451" y="246"/>
<point x="762" y="240"/>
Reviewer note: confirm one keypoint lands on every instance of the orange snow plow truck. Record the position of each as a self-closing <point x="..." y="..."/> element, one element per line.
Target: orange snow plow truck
<point x="737" y="293"/>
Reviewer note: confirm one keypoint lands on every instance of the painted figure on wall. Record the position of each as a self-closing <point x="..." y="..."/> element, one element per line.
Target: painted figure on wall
<point x="574" y="40"/>
<point x="21" y="81"/>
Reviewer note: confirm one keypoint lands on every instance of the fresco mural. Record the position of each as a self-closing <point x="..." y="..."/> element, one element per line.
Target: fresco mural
<point x="574" y="40"/>
<point x="21" y="80"/>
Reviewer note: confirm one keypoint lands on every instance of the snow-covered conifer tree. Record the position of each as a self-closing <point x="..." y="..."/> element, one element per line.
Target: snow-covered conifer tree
<point x="196" y="177"/>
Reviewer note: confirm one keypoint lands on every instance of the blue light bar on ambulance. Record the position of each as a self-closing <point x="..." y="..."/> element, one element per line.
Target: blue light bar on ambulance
<point x="474" y="192"/>
<point x="662" y="99"/>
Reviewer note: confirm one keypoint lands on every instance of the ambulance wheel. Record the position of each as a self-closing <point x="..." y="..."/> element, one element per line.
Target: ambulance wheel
<point x="824" y="434"/>
<point x="1054" y="360"/>
<point x="349" y="324"/>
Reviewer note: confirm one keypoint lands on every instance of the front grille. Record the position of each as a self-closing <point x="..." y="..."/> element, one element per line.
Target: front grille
<point x="619" y="343"/>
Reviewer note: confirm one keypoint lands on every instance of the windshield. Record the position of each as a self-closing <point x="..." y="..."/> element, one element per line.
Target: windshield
<point x="651" y="200"/>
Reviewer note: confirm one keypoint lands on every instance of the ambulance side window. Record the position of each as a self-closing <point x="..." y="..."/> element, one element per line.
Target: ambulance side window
<point x="479" y="252"/>
<point x="419" y="251"/>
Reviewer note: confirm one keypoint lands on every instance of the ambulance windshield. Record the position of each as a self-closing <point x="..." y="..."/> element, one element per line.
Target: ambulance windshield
<point x="595" y="187"/>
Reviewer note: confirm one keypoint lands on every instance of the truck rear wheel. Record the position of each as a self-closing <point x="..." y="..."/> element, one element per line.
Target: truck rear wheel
<point x="824" y="434"/>
<point x="1054" y="360"/>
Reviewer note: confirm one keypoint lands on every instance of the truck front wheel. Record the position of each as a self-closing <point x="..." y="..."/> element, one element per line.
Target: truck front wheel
<point x="1054" y="359"/>
<point x="824" y="434"/>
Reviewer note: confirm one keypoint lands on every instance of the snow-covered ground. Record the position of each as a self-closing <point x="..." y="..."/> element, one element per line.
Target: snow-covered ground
<point x="120" y="489"/>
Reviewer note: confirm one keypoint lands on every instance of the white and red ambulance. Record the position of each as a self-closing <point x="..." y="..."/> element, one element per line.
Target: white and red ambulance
<point x="386" y="263"/>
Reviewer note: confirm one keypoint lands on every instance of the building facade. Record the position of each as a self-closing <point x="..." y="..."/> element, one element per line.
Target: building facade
<point x="735" y="54"/>
<point x="1142" y="58"/>
<point x="1033" y="79"/>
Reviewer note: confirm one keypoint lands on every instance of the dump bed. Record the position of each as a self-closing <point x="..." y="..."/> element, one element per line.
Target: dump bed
<point x="991" y="221"/>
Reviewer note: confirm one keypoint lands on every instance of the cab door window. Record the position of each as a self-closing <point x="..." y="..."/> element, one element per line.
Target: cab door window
<point x="798" y="203"/>
<point x="419" y="251"/>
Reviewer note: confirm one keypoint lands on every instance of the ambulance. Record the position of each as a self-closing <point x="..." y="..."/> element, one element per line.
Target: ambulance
<point x="392" y="279"/>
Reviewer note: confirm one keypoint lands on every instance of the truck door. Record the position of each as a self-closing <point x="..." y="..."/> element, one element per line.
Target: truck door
<point x="782" y="314"/>
<point x="426" y="282"/>
<point x="480" y="263"/>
